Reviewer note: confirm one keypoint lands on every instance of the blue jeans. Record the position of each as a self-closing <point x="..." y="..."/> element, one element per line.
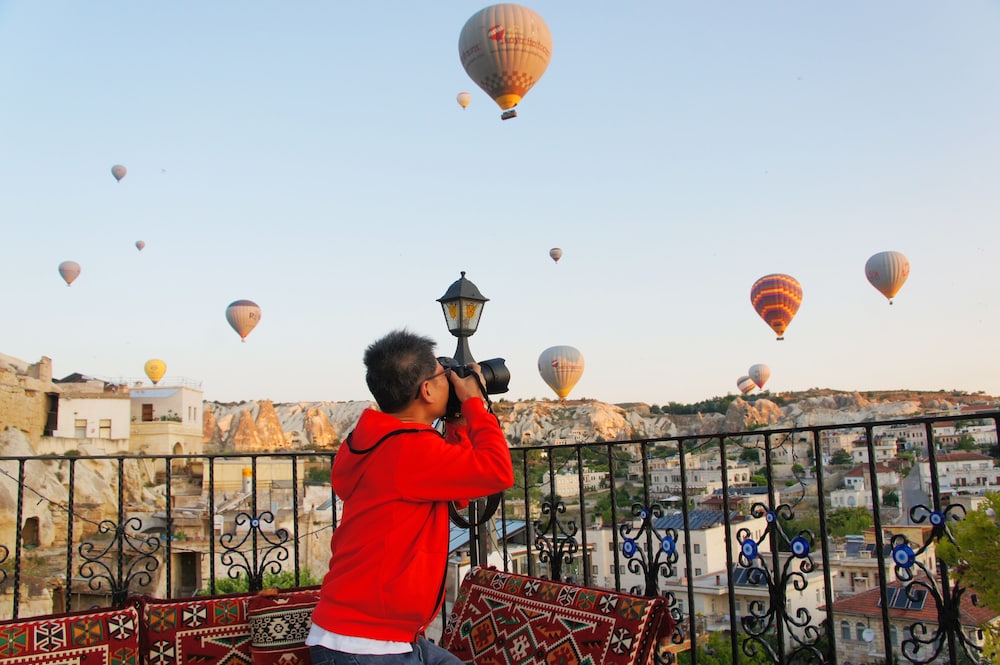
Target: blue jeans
<point x="425" y="653"/>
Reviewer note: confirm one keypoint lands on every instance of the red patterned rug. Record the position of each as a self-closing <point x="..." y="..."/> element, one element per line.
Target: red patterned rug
<point x="506" y="619"/>
<point x="109" y="637"/>
<point x="210" y="630"/>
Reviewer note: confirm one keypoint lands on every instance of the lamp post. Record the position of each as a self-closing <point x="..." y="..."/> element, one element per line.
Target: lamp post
<point x="462" y="305"/>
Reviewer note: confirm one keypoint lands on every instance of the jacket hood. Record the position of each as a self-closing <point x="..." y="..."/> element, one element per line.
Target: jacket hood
<point x="360" y="448"/>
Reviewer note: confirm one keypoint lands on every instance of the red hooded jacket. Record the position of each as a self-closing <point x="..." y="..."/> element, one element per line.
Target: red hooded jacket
<point x="390" y="551"/>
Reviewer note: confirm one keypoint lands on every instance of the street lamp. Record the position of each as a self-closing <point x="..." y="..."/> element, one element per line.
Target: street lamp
<point x="462" y="305"/>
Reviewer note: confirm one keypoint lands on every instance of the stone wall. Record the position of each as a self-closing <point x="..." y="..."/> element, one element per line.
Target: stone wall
<point x="23" y="400"/>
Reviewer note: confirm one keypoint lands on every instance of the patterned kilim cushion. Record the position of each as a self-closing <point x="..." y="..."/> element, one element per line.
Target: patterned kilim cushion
<point x="97" y="637"/>
<point x="506" y="619"/>
<point x="279" y="624"/>
<point x="209" y="630"/>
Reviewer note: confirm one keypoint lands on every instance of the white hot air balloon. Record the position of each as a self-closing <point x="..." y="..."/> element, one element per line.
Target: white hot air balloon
<point x="745" y="384"/>
<point x="505" y="49"/>
<point x="464" y="99"/>
<point x="887" y="272"/>
<point x="561" y="367"/>
<point x="555" y="254"/>
<point x="759" y="373"/>
<point x="243" y="316"/>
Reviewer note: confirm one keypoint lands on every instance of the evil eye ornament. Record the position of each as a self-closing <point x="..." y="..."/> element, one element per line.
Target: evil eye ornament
<point x="629" y="547"/>
<point x="643" y="514"/>
<point x="254" y="523"/>
<point x="800" y="547"/>
<point x="771" y="517"/>
<point x="903" y="556"/>
<point x="937" y="518"/>
<point x="668" y="545"/>
<point x="749" y="549"/>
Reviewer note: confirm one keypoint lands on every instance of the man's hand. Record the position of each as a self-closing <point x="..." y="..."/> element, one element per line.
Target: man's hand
<point x="470" y="386"/>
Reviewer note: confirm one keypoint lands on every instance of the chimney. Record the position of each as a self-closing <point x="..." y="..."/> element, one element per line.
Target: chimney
<point x="247" y="479"/>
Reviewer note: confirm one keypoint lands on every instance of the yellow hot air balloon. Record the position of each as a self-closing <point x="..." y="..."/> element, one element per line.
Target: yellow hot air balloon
<point x="464" y="99"/>
<point x="118" y="171"/>
<point x="759" y="374"/>
<point x="505" y="49"/>
<point x="887" y="272"/>
<point x="155" y="369"/>
<point x="561" y="367"/>
<point x="69" y="270"/>
<point x="243" y="316"/>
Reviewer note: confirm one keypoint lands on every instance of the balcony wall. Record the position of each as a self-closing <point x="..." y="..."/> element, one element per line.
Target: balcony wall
<point x="170" y="525"/>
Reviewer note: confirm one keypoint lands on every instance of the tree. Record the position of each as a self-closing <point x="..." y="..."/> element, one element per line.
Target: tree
<point x="841" y="457"/>
<point x="717" y="650"/>
<point x="891" y="498"/>
<point x="750" y="455"/>
<point x="241" y="584"/>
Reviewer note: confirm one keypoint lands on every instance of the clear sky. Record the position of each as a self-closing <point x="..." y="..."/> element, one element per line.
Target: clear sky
<point x="311" y="156"/>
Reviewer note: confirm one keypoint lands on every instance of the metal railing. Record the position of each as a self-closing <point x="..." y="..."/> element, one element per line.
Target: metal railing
<point x="741" y="563"/>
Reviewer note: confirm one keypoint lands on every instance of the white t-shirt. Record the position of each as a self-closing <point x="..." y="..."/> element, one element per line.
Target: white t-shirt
<point x="356" y="645"/>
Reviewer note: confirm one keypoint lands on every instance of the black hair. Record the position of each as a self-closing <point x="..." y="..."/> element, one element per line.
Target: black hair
<point x="397" y="364"/>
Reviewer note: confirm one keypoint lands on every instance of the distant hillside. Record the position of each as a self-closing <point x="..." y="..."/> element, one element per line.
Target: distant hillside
<point x="262" y="425"/>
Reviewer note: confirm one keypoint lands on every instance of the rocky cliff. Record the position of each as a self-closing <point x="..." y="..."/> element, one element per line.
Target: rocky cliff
<point x="325" y="424"/>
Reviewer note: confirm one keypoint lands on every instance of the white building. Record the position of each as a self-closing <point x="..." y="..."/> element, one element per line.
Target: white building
<point x="93" y="417"/>
<point x="167" y="419"/>
<point x="972" y="473"/>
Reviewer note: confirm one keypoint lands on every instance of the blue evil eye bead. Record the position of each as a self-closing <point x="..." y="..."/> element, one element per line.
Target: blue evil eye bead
<point x="629" y="547"/>
<point x="668" y="545"/>
<point x="749" y="549"/>
<point x="800" y="547"/>
<point x="643" y="513"/>
<point x="770" y="517"/>
<point x="902" y="556"/>
<point x="937" y="518"/>
<point x="254" y="523"/>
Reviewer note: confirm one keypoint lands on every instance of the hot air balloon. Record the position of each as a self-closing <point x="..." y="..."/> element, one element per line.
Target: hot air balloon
<point x="561" y="367"/>
<point x="887" y="271"/>
<point x="776" y="298"/>
<point x="464" y="99"/>
<point x="139" y="245"/>
<point x="155" y="369"/>
<point x="69" y="270"/>
<point x="505" y="49"/>
<point x="243" y="316"/>
<point x="118" y="171"/>
<point x="556" y="254"/>
<point x="759" y="374"/>
<point x="745" y="384"/>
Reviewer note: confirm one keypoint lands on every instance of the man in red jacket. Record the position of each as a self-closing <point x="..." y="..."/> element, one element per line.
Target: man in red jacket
<point x="396" y="475"/>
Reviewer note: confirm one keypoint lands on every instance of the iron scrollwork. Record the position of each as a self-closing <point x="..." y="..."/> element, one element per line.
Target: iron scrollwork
<point x="663" y="563"/>
<point x="762" y="621"/>
<point x="131" y="556"/>
<point x="923" y="644"/>
<point x="273" y="553"/>
<point x="559" y="546"/>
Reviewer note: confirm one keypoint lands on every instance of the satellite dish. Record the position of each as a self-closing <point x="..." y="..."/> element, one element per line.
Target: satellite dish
<point x="868" y="635"/>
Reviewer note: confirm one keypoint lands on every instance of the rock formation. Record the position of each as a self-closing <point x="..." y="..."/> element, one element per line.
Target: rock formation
<point x="319" y="430"/>
<point x="244" y="438"/>
<point x="269" y="429"/>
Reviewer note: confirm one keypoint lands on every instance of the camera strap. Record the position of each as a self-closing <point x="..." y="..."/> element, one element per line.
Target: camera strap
<point x="365" y="451"/>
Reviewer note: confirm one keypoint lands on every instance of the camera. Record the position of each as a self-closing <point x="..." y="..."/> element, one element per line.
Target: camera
<point x="495" y="374"/>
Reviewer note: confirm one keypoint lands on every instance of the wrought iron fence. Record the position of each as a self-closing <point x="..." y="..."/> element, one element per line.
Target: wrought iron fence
<point x="741" y="531"/>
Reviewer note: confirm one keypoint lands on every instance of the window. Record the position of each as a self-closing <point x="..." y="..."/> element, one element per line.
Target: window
<point x="697" y="572"/>
<point x="593" y="569"/>
<point x="80" y="428"/>
<point x="147" y="413"/>
<point x="611" y="543"/>
<point x="611" y="569"/>
<point x="105" y="426"/>
<point x="697" y="548"/>
<point x="859" y="631"/>
<point x="845" y="631"/>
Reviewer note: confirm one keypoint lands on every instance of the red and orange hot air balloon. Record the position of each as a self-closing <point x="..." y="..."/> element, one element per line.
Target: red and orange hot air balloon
<point x="776" y="298"/>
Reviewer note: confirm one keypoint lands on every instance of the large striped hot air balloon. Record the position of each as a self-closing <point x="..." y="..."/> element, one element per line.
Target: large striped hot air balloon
<point x="243" y="316"/>
<point x="887" y="272"/>
<point x="505" y="49"/>
<point x="561" y="367"/>
<point x="776" y="298"/>
<point x="745" y="384"/>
